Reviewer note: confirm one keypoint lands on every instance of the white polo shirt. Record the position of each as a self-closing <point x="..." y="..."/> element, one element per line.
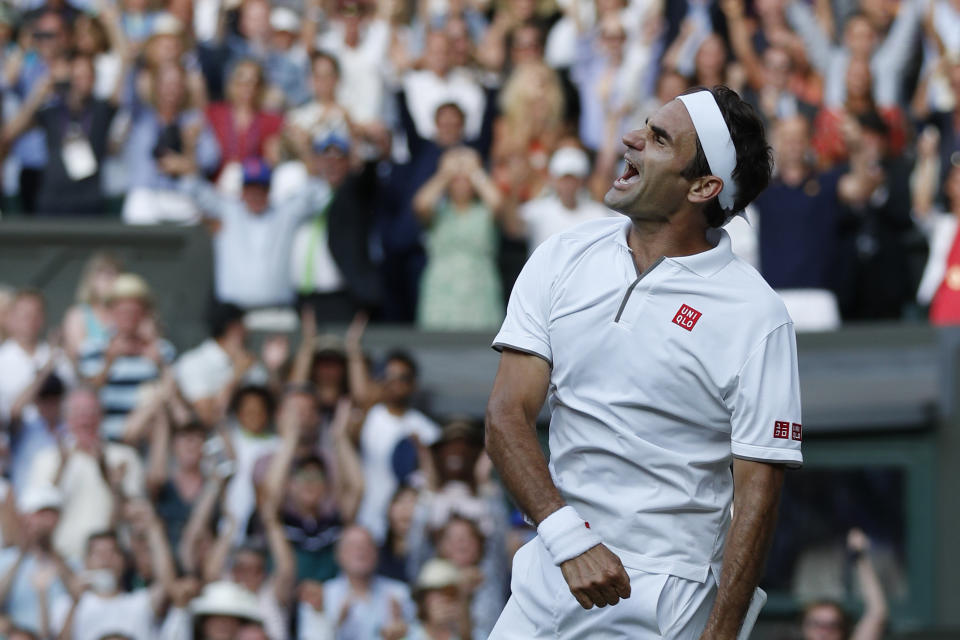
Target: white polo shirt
<point x="658" y="380"/>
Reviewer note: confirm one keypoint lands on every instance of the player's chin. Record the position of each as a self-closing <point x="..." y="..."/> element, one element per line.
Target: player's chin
<point x="619" y="196"/>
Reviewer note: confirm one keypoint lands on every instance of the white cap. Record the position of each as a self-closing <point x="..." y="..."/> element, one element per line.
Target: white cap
<point x="38" y="498"/>
<point x="225" y="598"/>
<point x="437" y="574"/>
<point x="167" y="24"/>
<point x="569" y="161"/>
<point x="284" y="19"/>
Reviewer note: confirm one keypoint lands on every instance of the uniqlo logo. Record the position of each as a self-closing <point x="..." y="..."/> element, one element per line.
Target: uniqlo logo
<point x="781" y="430"/>
<point x="686" y="317"/>
<point x="797" y="432"/>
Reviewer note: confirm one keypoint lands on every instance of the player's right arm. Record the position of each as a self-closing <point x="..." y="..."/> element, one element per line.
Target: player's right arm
<point x="595" y="577"/>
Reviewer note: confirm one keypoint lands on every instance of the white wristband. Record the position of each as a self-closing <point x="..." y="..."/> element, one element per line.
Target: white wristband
<point x="566" y="535"/>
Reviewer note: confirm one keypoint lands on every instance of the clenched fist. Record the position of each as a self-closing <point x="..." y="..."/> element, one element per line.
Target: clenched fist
<point x="596" y="577"/>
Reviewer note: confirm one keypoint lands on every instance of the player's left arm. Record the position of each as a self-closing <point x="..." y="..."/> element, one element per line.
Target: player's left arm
<point x="756" y="495"/>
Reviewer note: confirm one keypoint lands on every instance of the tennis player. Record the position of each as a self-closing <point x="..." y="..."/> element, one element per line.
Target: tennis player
<point x="671" y="371"/>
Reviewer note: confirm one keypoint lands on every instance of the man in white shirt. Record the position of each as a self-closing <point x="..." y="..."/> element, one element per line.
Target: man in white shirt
<point x="208" y="373"/>
<point x="666" y="359"/>
<point x="26" y="360"/>
<point x="568" y="205"/>
<point x="93" y="476"/>
<point x="388" y="423"/>
<point x="105" y="609"/>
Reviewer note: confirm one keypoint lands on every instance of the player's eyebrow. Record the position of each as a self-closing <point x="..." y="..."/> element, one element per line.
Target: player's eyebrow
<point x="659" y="131"/>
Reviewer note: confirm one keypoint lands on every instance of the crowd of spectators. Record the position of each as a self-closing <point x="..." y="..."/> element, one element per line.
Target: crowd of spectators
<point x="403" y="157"/>
<point x="391" y="160"/>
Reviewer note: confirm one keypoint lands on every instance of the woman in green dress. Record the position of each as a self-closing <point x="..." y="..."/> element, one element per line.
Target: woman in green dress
<point x="460" y="288"/>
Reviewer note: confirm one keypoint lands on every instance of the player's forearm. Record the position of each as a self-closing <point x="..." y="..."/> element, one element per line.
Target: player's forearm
<point x="756" y="496"/>
<point x="516" y="453"/>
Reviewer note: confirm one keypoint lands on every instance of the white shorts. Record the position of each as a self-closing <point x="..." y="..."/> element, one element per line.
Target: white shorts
<point x="541" y="605"/>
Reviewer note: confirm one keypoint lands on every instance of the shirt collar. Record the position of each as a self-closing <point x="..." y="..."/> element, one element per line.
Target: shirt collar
<point x="704" y="264"/>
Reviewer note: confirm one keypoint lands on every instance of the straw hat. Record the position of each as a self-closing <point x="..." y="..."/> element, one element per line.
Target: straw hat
<point x="437" y="574"/>
<point x="225" y="598"/>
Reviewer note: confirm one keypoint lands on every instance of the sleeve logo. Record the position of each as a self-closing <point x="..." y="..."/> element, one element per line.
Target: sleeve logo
<point x="781" y="430"/>
<point x="686" y="317"/>
<point x="797" y="431"/>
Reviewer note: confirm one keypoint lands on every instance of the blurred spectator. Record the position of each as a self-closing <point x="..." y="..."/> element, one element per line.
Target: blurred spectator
<point x="317" y="503"/>
<point x="330" y="264"/>
<point x="826" y="620"/>
<point x="107" y="609"/>
<point x="360" y="41"/>
<point x="253" y="238"/>
<point x="879" y="37"/>
<point x="799" y="215"/>
<point x="175" y="482"/>
<point x="322" y="115"/>
<point x="222" y="610"/>
<point x="166" y="135"/>
<point x="608" y="75"/>
<point x="393" y="551"/>
<point x="361" y="602"/>
<point x="252" y="410"/>
<point x="94" y="477"/>
<point x="436" y="84"/>
<point x="832" y="124"/>
<point x="30" y="436"/>
<point x="101" y="38"/>
<point x="399" y="232"/>
<point x="947" y="122"/>
<point x="25" y="359"/>
<point x="390" y="420"/>
<point x="89" y="317"/>
<point x="460" y="516"/>
<point x="874" y="244"/>
<point x="7" y="295"/>
<point x="286" y="62"/>
<point x="32" y="574"/>
<point x="119" y="366"/>
<point x="941" y="279"/>
<point x="461" y="205"/>
<point x="442" y="605"/>
<point x="243" y="129"/>
<point x="27" y="72"/>
<point x="527" y="131"/>
<point x="75" y="124"/>
<point x="208" y="374"/>
<point x="138" y="20"/>
<point x="770" y="74"/>
<point x="567" y="204"/>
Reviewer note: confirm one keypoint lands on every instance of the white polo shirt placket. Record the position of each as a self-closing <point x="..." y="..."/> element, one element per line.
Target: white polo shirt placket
<point x="658" y="380"/>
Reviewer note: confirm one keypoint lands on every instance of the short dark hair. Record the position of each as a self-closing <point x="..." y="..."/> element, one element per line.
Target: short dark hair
<point x="52" y="387"/>
<point x="255" y="390"/>
<point x="402" y="356"/>
<point x="325" y="55"/>
<point x="754" y="155"/>
<point x="106" y="534"/>
<point x="222" y="316"/>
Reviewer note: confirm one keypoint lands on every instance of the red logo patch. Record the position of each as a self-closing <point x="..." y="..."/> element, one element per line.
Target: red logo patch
<point x="586" y="524"/>
<point x="781" y="430"/>
<point x="797" y="432"/>
<point x="686" y="317"/>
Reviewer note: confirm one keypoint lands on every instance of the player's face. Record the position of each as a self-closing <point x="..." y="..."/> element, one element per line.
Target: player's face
<point x="652" y="186"/>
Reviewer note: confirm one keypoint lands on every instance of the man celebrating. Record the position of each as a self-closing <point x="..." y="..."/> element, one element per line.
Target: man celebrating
<point x="666" y="358"/>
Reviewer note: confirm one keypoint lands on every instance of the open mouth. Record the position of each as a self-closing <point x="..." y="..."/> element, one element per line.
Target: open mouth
<point x="630" y="175"/>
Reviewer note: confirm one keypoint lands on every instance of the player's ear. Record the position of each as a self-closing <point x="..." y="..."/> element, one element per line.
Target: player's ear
<point x="704" y="188"/>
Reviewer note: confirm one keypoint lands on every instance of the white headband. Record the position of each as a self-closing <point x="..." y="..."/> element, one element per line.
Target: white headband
<point x="715" y="141"/>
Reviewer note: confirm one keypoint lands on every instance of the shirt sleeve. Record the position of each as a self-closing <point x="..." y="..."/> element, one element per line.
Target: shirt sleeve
<point x="765" y="402"/>
<point x="528" y="312"/>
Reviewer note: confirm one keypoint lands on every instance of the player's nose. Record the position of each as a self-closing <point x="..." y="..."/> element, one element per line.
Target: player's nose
<point x="634" y="139"/>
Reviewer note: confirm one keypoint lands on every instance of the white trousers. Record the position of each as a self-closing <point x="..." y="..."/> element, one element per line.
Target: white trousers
<point x="541" y="606"/>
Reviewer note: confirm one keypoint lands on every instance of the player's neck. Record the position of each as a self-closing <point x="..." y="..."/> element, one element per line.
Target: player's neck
<point x="679" y="236"/>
